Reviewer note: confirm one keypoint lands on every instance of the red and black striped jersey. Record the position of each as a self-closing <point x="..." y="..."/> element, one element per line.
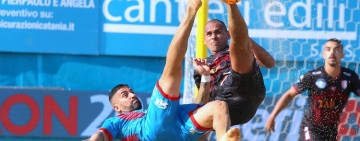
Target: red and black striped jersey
<point x="327" y="95"/>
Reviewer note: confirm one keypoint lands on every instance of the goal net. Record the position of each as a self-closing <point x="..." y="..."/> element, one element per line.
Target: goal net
<point x="293" y="32"/>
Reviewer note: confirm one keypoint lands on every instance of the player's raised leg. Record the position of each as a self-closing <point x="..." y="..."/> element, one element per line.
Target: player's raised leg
<point x="172" y="73"/>
<point x="218" y="119"/>
<point x="240" y="52"/>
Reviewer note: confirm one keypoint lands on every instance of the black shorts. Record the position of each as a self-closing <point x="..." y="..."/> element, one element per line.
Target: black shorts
<point x="310" y="132"/>
<point x="243" y="92"/>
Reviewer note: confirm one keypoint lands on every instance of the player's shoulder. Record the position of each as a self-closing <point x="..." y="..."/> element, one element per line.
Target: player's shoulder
<point x="348" y="72"/>
<point x="223" y="53"/>
<point x="210" y="58"/>
<point x="114" y="120"/>
<point x="314" y="72"/>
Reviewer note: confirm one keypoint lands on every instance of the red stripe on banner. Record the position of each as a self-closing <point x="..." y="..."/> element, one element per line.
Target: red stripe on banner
<point x="20" y="129"/>
<point x="69" y="122"/>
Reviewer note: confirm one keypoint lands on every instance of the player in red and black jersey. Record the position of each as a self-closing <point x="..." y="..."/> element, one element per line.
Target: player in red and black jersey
<point x="165" y="119"/>
<point x="329" y="88"/>
<point x="232" y="73"/>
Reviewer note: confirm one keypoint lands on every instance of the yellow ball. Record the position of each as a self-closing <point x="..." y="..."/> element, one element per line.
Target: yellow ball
<point x="231" y="1"/>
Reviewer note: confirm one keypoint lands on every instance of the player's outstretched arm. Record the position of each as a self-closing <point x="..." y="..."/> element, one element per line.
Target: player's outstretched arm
<point x="281" y="104"/>
<point x="356" y="84"/>
<point x="203" y="95"/>
<point x="262" y="56"/>
<point x="172" y="73"/>
<point x="98" y="136"/>
<point x="203" y="69"/>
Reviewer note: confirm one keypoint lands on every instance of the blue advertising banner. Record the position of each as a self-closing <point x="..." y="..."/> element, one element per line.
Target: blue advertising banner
<point x="139" y="28"/>
<point x="54" y="113"/>
<point x="50" y="26"/>
<point x="296" y="31"/>
<point x="79" y="114"/>
<point x="288" y="30"/>
<point x="292" y="31"/>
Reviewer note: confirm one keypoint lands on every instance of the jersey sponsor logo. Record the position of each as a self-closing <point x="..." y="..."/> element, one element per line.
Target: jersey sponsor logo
<point x="219" y="65"/>
<point x="347" y="74"/>
<point x="316" y="73"/>
<point x="161" y="104"/>
<point x="344" y="84"/>
<point x="326" y="104"/>
<point x="214" y="70"/>
<point x="320" y="83"/>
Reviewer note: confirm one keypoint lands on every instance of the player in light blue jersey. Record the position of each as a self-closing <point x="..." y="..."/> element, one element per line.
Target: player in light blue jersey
<point x="166" y="119"/>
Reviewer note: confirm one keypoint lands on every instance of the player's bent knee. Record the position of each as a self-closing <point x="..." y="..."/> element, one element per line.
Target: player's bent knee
<point x="220" y="105"/>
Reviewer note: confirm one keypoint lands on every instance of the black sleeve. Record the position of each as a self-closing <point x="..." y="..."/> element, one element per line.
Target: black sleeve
<point x="304" y="82"/>
<point x="356" y="84"/>
<point x="197" y="79"/>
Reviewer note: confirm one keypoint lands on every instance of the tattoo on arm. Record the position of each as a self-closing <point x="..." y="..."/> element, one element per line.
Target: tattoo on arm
<point x="204" y="93"/>
<point x="101" y="136"/>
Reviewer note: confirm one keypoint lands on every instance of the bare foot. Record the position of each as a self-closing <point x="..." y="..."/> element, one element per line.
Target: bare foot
<point x="233" y="134"/>
<point x="231" y="1"/>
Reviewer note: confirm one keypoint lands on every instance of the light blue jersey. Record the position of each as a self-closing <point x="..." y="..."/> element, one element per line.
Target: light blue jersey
<point x="165" y="120"/>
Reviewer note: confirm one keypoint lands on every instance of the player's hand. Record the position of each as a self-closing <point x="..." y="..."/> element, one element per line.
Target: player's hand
<point x="270" y="125"/>
<point x="201" y="66"/>
<point x="196" y="4"/>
